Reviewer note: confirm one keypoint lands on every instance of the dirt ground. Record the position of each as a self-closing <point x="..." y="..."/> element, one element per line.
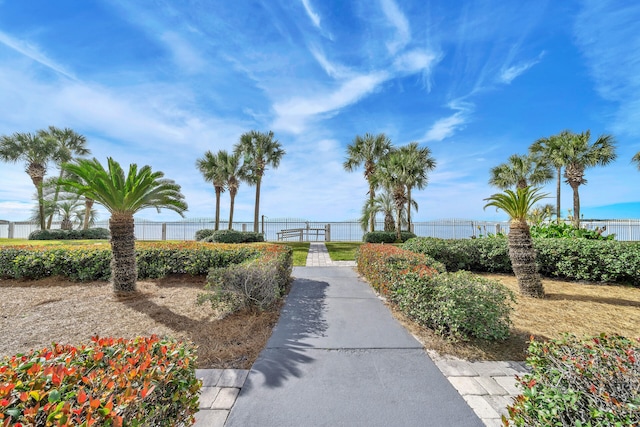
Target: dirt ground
<point x="35" y="314"/>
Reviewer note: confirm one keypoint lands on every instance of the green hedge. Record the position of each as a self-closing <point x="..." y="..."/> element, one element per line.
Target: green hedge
<point x="580" y="382"/>
<point x="89" y="234"/>
<point x="111" y="382"/>
<point x="233" y="236"/>
<point x="89" y="262"/>
<point x="456" y="305"/>
<point x="386" y="236"/>
<point x="572" y="259"/>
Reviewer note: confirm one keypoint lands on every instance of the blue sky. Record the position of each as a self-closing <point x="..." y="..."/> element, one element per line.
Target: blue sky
<point x="161" y="82"/>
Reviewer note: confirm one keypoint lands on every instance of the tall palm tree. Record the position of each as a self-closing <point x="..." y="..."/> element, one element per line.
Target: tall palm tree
<point x="122" y="196"/>
<point x="213" y="170"/>
<point x="367" y="150"/>
<point x="69" y="145"/>
<point x="636" y="159"/>
<point x="520" y="171"/>
<point x="550" y="150"/>
<point x="259" y="150"/>
<point x="517" y="205"/>
<point x="392" y="174"/>
<point x="419" y="163"/>
<point x="36" y="152"/>
<point x="579" y="155"/>
<point x="233" y="173"/>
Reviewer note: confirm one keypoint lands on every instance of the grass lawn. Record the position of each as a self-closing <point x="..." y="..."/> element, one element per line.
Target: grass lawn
<point x="300" y="251"/>
<point x="342" y="251"/>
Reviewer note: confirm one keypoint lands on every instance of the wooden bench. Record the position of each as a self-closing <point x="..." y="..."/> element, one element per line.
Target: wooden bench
<point x="301" y="233"/>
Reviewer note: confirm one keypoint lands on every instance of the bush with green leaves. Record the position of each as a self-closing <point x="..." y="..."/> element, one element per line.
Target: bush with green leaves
<point x="580" y="382"/>
<point x="458" y="305"/>
<point x="386" y="236"/>
<point x="203" y="234"/>
<point x="567" y="231"/>
<point x="256" y="284"/>
<point x="57" y="234"/>
<point x="233" y="236"/>
<point x="146" y="381"/>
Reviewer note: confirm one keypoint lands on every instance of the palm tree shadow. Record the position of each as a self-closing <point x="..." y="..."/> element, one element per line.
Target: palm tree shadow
<point x="301" y="318"/>
<point x="596" y="299"/>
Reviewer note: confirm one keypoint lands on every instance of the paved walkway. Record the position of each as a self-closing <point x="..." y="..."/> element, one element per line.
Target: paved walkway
<point x="318" y="256"/>
<point x="337" y="357"/>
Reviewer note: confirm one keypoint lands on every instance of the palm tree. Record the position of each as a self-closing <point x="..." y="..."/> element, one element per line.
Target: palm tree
<point x="259" y="151"/>
<point x="392" y="174"/>
<point x="367" y="150"/>
<point x="36" y="152"/>
<point x="520" y="171"/>
<point x="383" y="203"/>
<point x="636" y="159"/>
<point x="213" y="170"/>
<point x="517" y="205"/>
<point x="69" y="144"/>
<point x="579" y="155"/>
<point x="122" y="196"/>
<point x="418" y="162"/>
<point x="550" y="150"/>
<point x="233" y="173"/>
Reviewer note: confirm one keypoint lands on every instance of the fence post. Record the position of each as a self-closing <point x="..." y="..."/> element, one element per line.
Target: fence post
<point x="327" y="232"/>
<point x="11" y="230"/>
<point x="498" y="229"/>
<point x="244" y="227"/>
<point x="164" y="231"/>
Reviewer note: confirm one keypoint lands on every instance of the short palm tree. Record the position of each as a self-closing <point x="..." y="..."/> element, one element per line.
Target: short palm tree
<point x="579" y="155"/>
<point x="233" y="173"/>
<point x="383" y="203"/>
<point x="517" y="205"/>
<point x="549" y="150"/>
<point x="69" y="145"/>
<point x="258" y="150"/>
<point x="367" y="150"/>
<point x="122" y="196"/>
<point x="419" y="163"/>
<point x="36" y="152"/>
<point x="213" y="171"/>
<point x="520" y="171"/>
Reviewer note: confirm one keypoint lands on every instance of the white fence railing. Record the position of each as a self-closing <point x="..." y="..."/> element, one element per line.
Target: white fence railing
<point x="626" y="230"/>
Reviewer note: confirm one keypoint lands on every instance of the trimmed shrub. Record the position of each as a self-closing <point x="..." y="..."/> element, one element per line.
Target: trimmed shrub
<point x="384" y="266"/>
<point x="203" y="234"/>
<point x="112" y="382"/>
<point x="464" y="306"/>
<point x="89" y="234"/>
<point x="258" y="283"/>
<point x="386" y="236"/>
<point x="233" y="236"/>
<point x="567" y="231"/>
<point x="580" y="382"/>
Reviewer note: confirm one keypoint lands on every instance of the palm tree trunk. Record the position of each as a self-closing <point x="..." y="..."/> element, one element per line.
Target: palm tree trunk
<point x="372" y="217"/>
<point x="88" y="204"/>
<point x="124" y="270"/>
<point x="37" y="181"/>
<point x="523" y="260"/>
<point x="232" y="194"/>
<point x="398" y="221"/>
<point x="55" y="199"/>
<point x="558" y="186"/>
<point x="218" y="192"/>
<point x="576" y="205"/>
<point x="256" y="211"/>
<point x="408" y="208"/>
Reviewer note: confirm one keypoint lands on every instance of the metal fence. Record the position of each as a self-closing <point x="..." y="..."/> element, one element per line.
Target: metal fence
<point x="626" y="230"/>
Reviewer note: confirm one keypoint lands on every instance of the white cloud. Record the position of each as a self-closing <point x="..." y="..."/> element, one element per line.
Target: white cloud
<point x="33" y="52"/>
<point x="399" y="22"/>
<point x="447" y="126"/>
<point x="293" y="114"/>
<point x="315" y="18"/>
<point x="507" y="75"/>
<point x="331" y="69"/>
